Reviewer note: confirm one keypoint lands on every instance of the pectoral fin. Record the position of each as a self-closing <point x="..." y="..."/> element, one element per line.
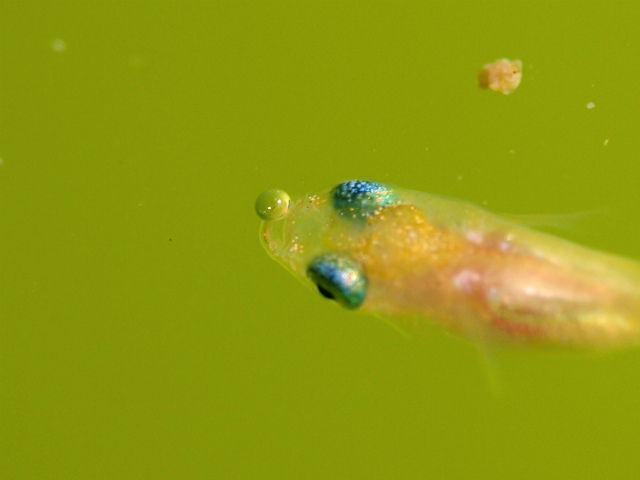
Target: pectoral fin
<point x="559" y="221"/>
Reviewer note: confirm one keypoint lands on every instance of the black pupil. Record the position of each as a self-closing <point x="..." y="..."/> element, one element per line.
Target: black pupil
<point x="325" y="293"/>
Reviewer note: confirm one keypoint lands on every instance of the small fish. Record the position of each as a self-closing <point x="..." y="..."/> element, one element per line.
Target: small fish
<point x="416" y="258"/>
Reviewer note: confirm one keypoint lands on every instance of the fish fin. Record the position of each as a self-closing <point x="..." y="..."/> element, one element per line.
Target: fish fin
<point x="490" y="370"/>
<point x="559" y="221"/>
<point x="477" y="335"/>
<point x="399" y="329"/>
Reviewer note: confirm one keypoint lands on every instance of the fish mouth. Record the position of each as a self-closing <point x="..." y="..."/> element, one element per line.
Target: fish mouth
<point x="290" y="240"/>
<point x="273" y="236"/>
<point x="276" y="237"/>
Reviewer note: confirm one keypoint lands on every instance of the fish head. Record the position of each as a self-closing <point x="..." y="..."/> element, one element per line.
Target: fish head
<point x="317" y="236"/>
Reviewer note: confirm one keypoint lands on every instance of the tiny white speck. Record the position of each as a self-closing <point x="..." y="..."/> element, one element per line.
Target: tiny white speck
<point x="591" y="105"/>
<point x="459" y="177"/>
<point x="136" y="60"/>
<point x="606" y="142"/>
<point x="58" y="45"/>
<point x="504" y="245"/>
<point x="475" y="237"/>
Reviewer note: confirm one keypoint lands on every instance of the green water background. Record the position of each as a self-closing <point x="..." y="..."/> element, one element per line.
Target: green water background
<point x="144" y="333"/>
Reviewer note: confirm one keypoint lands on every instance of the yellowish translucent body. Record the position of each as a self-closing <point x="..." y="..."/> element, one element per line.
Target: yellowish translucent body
<point x="433" y="259"/>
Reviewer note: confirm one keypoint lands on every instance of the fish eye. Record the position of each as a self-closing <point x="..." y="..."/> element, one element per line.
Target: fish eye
<point x="361" y="198"/>
<point x="272" y="204"/>
<point x="339" y="277"/>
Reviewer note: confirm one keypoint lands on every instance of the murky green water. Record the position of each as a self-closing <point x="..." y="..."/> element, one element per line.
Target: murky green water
<point x="145" y="334"/>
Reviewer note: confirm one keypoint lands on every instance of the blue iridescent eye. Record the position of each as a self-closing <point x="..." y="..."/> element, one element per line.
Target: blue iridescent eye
<point x="340" y="278"/>
<point x="360" y="198"/>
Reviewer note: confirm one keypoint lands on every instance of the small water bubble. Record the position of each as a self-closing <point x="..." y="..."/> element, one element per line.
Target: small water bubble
<point x="272" y="204"/>
<point x="58" y="45"/>
<point x="606" y="142"/>
<point x="591" y="105"/>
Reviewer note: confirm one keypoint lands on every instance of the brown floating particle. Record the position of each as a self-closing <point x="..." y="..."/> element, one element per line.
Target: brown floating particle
<point x="503" y="75"/>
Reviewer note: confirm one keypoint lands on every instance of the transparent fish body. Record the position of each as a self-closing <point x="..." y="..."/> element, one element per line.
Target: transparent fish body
<point x="423" y="258"/>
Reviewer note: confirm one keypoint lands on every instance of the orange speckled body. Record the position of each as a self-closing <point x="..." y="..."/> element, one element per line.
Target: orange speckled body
<point x="429" y="258"/>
